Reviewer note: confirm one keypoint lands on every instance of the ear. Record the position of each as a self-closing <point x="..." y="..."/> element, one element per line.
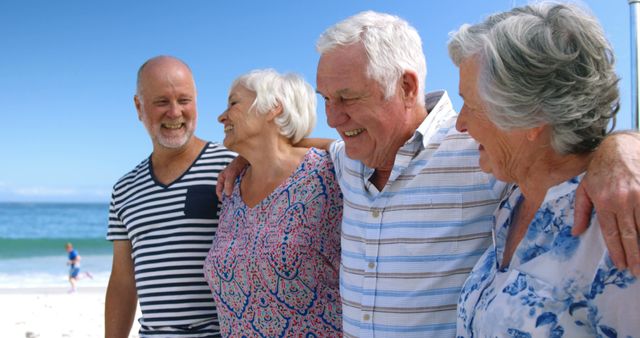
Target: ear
<point x="410" y="88"/>
<point x="274" y="112"/>
<point x="534" y="133"/>
<point x="138" y="104"/>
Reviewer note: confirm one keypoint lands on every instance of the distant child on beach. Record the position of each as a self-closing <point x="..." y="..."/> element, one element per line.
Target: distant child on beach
<point x="74" y="267"/>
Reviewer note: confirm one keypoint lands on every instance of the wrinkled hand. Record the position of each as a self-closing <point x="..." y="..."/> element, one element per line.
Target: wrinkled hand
<point x="228" y="176"/>
<point x="612" y="185"/>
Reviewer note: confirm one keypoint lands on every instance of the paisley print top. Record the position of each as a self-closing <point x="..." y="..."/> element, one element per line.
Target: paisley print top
<point x="556" y="285"/>
<point x="273" y="269"/>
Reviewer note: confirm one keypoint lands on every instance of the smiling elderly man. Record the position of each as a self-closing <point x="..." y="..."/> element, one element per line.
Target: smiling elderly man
<point x="164" y="214"/>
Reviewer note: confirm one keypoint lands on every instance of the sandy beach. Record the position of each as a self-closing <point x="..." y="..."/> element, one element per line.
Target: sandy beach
<point x="52" y="312"/>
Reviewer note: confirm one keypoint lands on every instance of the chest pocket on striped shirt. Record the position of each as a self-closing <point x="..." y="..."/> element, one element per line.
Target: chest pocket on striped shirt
<point x="201" y="202"/>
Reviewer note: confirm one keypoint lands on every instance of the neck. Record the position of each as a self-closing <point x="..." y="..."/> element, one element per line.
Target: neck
<point x="162" y="155"/>
<point x="383" y="172"/>
<point x="271" y="164"/>
<point x="270" y="155"/>
<point x="380" y="178"/>
<point x="548" y="169"/>
<point x="169" y="164"/>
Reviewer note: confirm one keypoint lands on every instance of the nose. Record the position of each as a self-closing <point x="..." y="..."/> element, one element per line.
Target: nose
<point x="174" y="110"/>
<point x="461" y="122"/>
<point x="222" y="117"/>
<point x="335" y="115"/>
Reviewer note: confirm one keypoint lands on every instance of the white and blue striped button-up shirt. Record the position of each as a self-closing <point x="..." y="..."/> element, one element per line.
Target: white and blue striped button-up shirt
<point x="407" y="250"/>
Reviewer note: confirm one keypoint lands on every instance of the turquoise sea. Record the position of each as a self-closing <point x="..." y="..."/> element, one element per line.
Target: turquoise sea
<point x="33" y="238"/>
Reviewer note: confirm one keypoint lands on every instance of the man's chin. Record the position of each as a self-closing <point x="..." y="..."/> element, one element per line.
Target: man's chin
<point x="368" y="159"/>
<point x="352" y="153"/>
<point x="360" y="156"/>
<point x="174" y="143"/>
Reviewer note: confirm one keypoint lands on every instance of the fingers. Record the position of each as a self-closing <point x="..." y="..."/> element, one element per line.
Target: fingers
<point x="633" y="256"/>
<point x="582" y="216"/>
<point x="612" y="239"/>
<point x="220" y="185"/>
<point x="228" y="187"/>
<point x="629" y="236"/>
<point x="227" y="177"/>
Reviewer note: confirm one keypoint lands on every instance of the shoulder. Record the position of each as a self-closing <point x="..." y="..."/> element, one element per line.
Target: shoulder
<point x="131" y="176"/>
<point x="319" y="159"/>
<point x="215" y="150"/>
<point x="549" y="236"/>
<point x="340" y="159"/>
<point x="336" y="150"/>
<point x="318" y="154"/>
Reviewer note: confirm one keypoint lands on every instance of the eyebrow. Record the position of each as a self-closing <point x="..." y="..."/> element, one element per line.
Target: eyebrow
<point x="344" y="91"/>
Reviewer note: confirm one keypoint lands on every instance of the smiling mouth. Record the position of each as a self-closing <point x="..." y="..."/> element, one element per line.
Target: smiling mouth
<point x="353" y="132"/>
<point x="173" y="125"/>
<point x="228" y="128"/>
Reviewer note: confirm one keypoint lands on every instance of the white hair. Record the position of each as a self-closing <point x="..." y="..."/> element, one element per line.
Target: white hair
<point x="291" y="91"/>
<point x="393" y="47"/>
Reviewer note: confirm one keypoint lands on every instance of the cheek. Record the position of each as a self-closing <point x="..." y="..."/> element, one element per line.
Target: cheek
<point x="384" y="137"/>
<point x="486" y="130"/>
<point x="144" y="118"/>
<point x="500" y="151"/>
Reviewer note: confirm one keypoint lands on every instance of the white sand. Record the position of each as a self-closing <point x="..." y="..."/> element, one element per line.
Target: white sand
<point x="52" y="312"/>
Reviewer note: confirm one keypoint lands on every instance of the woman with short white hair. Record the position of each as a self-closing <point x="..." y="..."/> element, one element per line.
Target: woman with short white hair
<point x="273" y="265"/>
<point x="539" y="89"/>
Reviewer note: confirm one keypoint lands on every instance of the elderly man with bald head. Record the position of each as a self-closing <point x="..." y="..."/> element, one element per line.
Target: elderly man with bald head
<point x="164" y="213"/>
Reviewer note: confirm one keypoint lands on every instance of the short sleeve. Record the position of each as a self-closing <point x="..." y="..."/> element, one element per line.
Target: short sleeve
<point x="116" y="230"/>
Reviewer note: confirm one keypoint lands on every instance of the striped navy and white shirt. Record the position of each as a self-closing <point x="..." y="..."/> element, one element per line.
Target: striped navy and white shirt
<point x="407" y="250"/>
<point x="171" y="228"/>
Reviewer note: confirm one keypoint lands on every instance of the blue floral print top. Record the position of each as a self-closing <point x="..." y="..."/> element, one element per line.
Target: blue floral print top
<point x="556" y="285"/>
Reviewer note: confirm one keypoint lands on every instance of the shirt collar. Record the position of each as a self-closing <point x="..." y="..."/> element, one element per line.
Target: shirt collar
<point x="440" y="109"/>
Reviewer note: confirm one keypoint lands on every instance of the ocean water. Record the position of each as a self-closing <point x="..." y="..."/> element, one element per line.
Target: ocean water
<point x="33" y="238"/>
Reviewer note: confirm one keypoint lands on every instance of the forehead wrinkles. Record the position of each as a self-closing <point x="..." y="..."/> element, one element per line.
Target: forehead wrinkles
<point x="344" y="70"/>
<point x="240" y="91"/>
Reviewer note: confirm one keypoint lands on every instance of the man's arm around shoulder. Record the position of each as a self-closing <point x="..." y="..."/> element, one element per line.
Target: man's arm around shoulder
<point x="612" y="186"/>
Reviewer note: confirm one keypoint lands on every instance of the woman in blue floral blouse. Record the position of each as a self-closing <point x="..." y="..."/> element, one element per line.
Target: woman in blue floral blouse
<point x="539" y="89"/>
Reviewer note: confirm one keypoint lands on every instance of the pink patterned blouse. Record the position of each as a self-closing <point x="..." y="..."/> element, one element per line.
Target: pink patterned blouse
<point x="273" y="269"/>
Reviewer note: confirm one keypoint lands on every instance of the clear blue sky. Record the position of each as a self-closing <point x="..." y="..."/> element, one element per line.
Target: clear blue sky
<point x="67" y="73"/>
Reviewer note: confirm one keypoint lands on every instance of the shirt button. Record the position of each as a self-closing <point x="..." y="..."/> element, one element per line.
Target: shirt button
<point x="372" y="265"/>
<point x="375" y="213"/>
<point x="366" y="317"/>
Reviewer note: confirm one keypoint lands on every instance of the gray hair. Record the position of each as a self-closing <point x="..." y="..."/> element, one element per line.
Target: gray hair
<point x="546" y="63"/>
<point x="393" y="47"/>
<point x="291" y="91"/>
